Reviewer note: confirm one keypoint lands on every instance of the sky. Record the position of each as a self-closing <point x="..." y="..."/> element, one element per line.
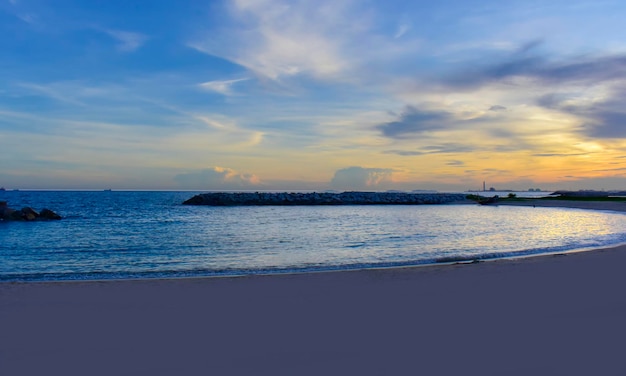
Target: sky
<point x="312" y="95"/>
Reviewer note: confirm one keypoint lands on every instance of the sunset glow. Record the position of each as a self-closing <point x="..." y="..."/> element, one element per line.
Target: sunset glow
<point x="285" y="95"/>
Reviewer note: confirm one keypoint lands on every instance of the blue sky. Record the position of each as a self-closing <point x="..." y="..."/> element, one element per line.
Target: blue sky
<point x="260" y="94"/>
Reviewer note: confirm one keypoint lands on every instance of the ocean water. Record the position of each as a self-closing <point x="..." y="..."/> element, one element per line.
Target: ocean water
<point x="109" y="235"/>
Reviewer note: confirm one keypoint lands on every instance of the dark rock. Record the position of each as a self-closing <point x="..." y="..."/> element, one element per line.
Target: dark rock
<point x="195" y="200"/>
<point x="25" y="214"/>
<point x="7" y="214"/>
<point x="5" y="211"/>
<point x="29" y="214"/>
<point x="49" y="214"/>
<point x="15" y="215"/>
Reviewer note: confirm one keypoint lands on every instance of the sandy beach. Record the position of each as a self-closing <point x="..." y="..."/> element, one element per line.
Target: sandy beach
<point x="595" y="205"/>
<point x="548" y="315"/>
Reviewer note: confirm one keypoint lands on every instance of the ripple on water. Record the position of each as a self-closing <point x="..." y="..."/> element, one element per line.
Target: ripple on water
<point x="150" y="234"/>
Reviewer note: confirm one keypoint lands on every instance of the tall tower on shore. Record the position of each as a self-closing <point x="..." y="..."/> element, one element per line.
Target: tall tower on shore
<point x="484" y="186"/>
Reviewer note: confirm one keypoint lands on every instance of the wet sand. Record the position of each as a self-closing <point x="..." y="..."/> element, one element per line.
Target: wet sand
<point x="548" y="315"/>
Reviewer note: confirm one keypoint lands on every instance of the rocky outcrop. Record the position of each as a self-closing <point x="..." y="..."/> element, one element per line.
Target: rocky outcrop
<point x="325" y="198"/>
<point x="25" y="214"/>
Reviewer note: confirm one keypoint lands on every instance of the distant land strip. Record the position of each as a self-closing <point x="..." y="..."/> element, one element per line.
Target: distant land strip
<point x="322" y="198"/>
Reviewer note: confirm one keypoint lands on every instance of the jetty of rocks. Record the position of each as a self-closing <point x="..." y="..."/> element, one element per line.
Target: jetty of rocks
<point x="25" y="214"/>
<point x="322" y="198"/>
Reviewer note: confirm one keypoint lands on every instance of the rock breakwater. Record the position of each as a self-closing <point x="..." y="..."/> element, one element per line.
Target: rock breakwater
<point x="323" y="198"/>
<point x="25" y="214"/>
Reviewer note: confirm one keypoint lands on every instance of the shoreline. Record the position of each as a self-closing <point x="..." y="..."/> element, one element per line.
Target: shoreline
<point x="551" y="314"/>
<point x="268" y="274"/>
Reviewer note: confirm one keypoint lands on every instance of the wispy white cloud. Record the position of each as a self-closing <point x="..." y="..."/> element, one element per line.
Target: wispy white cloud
<point x="223" y="87"/>
<point x="52" y="91"/>
<point x="78" y="93"/>
<point x="227" y="132"/>
<point x="277" y="38"/>
<point x="403" y="28"/>
<point x="28" y="18"/>
<point x="213" y="123"/>
<point x="135" y="148"/>
<point x="127" y="41"/>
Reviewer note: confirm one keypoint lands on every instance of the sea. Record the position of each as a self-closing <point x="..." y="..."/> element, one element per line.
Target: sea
<point x="128" y="235"/>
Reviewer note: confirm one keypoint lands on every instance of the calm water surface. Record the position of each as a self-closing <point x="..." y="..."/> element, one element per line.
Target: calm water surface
<point x="107" y="235"/>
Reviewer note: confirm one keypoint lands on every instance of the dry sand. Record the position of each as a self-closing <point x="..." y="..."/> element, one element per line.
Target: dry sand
<point x="548" y="315"/>
<point x="597" y="205"/>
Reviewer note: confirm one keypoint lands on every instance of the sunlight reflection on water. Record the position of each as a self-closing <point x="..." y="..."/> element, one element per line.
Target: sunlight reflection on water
<point x="150" y="234"/>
